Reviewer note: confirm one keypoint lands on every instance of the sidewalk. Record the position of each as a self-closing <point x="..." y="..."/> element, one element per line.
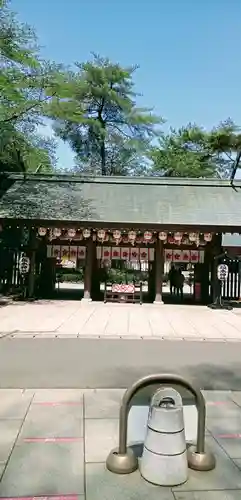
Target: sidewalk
<point x="55" y="443"/>
<point x="73" y="319"/>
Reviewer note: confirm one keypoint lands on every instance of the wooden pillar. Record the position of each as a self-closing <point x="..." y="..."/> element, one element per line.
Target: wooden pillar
<point x="88" y="270"/>
<point x="151" y="281"/>
<point x="159" y="261"/>
<point x="216" y="250"/>
<point x="95" y="281"/>
<point x="205" y="275"/>
<point x="32" y="257"/>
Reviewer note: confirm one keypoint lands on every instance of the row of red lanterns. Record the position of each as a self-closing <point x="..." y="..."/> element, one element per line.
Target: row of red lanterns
<point x="193" y="237"/>
<point x="57" y="232"/>
<point x="117" y="235"/>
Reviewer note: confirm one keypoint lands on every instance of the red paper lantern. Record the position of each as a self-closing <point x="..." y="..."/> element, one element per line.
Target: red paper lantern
<point x="162" y="236"/>
<point x="42" y="231"/>
<point x="86" y="233"/>
<point x="193" y="237"/>
<point x="117" y="236"/>
<point x="132" y="236"/>
<point x="57" y="232"/>
<point x="71" y="233"/>
<point x="178" y="236"/>
<point x="147" y="236"/>
<point x="207" y="237"/>
<point x="101" y="234"/>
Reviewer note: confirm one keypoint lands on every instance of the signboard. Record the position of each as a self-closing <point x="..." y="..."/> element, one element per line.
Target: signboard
<point x="222" y="272"/>
<point x="24" y="265"/>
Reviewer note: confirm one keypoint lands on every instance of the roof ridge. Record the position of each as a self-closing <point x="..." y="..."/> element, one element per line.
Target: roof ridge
<point x="78" y="179"/>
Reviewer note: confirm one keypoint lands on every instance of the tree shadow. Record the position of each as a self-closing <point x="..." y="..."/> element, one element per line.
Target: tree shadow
<point x="205" y="376"/>
<point x="48" y="200"/>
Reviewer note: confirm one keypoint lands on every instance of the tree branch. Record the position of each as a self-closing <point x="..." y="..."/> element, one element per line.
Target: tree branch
<point x="235" y="167"/>
<point x="16" y="116"/>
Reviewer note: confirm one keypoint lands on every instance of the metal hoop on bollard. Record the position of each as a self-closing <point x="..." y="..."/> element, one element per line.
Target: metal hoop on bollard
<point x="123" y="460"/>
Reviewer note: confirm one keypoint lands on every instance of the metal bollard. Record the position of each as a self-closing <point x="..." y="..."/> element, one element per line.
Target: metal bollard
<point x="164" y="459"/>
<point x="123" y="460"/>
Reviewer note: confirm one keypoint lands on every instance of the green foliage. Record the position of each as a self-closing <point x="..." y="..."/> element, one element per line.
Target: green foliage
<point x="122" y="157"/>
<point x="25" y="84"/>
<point x="96" y="112"/>
<point x="194" y="152"/>
<point x="66" y="276"/>
<point x="176" y="157"/>
<point x="25" y="152"/>
<point x="94" y="109"/>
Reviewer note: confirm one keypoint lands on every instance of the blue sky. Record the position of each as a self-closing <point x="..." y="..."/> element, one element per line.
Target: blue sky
<point x="188" y="50"/>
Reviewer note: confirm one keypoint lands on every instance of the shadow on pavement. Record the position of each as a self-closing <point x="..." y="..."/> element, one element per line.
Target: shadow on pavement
<point x="205" y="376"/>
<point x="82" y="363"/>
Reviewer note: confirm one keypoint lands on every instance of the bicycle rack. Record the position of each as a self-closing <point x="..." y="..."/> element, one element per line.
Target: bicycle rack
<point x="123" y="460"/>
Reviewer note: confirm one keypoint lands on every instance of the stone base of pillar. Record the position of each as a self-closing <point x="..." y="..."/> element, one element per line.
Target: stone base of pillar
<point x="86" y="300"/>
<point x="158" y="303"/>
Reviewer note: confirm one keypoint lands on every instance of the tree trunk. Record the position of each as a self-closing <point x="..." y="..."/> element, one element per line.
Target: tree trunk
<point x="102" y="154"/>
<point x="235" y="166"/>
<point x="102" y="138"/>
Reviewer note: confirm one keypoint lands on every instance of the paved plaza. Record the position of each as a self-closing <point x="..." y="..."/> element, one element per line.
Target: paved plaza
<point x="63" y="318"/>
<point x="54" y="443"/>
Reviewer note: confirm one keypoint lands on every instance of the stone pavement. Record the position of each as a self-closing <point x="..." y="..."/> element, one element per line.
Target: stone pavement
<point x="72" y="318"/>
<point x="54" y="443"/>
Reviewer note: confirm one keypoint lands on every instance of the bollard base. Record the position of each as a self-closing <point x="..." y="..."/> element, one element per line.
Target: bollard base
<point x="122" y="463"/>
<point x="200" y="461"/>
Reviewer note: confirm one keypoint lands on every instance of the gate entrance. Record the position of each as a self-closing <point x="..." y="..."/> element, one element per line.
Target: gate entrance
<point x="62" y="273"/>
<point x="125" y="265"/>
<point x="184" y="274"/>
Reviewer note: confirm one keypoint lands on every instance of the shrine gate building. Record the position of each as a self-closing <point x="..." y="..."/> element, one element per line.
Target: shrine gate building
<point x="98" y="220"/>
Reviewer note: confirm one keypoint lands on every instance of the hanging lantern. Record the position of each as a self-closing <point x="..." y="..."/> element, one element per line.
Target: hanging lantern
<point x="162" y="236"/>
<point x="86" y="233"/>
<point x="193" y="236"/>
<point x="177" y="236"/>
<point x="117" y="236"/>
<point x="57" y="232"/>
<point x="42" y="231"/>
<point x="132" y="236"/>
<point x="207" y="237"/>
<point x="101" y="234"/>
<point x="147" y="236"/>
<point x="71" y="233"/>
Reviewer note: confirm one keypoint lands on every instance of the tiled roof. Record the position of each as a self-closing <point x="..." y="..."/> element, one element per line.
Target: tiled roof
<point x="153" y="201"/>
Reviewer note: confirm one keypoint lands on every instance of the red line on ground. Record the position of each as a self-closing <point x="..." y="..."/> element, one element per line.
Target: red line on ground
<point x="228" y="436"/>
<point x="52" y="440"/>
<point x="48" y="497"/>
<point x="58" y="403"/>
<point x="217" y="403"/>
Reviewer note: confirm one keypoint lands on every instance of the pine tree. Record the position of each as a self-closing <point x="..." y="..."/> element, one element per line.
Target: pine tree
<point x="97" y="108"/>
